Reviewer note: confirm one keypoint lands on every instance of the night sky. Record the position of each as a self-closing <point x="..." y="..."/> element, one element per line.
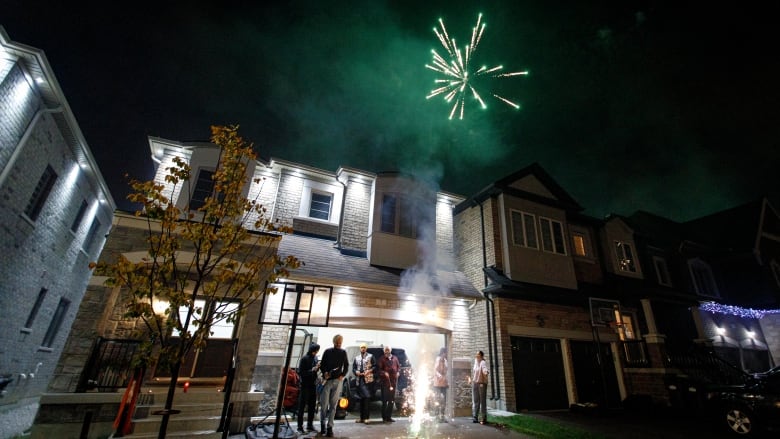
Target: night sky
<point x="629" y="104"/>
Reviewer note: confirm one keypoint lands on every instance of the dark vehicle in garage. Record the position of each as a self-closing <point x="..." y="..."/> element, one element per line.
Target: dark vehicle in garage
<point x="403" y="395"/>
<point x="750" y="408"/>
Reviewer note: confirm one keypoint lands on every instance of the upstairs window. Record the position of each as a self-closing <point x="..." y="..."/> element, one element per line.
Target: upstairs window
<point x="703" y="279"/>
<point x="41" y="193"/>
<point x="91" y="235"/>
<point x="625" y="257"/>
<point x="56" y="323"/>
<point x="524" y="229"/>
<point x="320" y="206"/>
<point x="397" y="216"/>
<point x="204" y="187"/>
<point x="579" y="247"/>
<point x="552" y="236"/>
<point x="662" y="271"/>
<point x="79" y="216"/>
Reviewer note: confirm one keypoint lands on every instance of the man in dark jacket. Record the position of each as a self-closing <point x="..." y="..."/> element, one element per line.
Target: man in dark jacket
<point x="334" y="367"/>
<point x="307" y="368"/>
<point x="388" y="376"/>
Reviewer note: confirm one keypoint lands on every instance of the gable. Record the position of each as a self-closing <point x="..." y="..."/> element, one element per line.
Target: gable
<point x="530" y="183"/>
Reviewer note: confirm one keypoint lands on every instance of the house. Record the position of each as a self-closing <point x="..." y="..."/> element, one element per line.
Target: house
<point x="56" y="211"/>
<point x="379" y="269"/>
<point x="583" y="310"/>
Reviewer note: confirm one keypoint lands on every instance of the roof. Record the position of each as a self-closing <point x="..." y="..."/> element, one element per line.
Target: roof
<point x="505" y="185"/>
<point x="325" y="263"/>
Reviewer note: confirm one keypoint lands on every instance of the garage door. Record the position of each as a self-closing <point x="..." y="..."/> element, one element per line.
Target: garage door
<point x="540" y="383"/>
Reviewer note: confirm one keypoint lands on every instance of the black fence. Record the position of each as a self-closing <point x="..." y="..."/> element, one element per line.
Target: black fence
<point x="110" y="365"/>
<point x="634" y="353"/>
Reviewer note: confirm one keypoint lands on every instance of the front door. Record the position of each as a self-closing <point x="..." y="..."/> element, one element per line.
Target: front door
<point x="594" y="376"/>
<point x="214" y="359"/>
<point x="540" y="383"/>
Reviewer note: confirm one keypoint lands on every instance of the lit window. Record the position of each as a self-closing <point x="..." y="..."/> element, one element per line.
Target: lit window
<point x="662" y="271"/>
<point x="56" y="323"/>
<point x="41" y="193"/>
<point x="552" y="236"/>
<point x="625" y="257"/>
<point x="627" y="327"/>
<point x="524" y="229"/>
<point x="578" y="241"/>
<point x="320" y="205"/>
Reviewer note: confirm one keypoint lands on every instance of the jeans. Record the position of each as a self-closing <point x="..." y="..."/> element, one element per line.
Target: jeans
<point x="364" y="392"/>
<point x="479" y="401"/>
<point x="329" y="399"/>
<point x="441" y="397"/>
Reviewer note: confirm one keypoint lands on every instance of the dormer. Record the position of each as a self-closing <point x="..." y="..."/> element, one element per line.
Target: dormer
<point x="402" y="226"/>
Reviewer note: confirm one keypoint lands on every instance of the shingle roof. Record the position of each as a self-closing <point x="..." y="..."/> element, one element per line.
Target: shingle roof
<point x="325" y="263"/>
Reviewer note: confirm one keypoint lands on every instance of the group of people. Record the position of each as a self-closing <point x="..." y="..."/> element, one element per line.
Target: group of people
<point x="332" y="368"/>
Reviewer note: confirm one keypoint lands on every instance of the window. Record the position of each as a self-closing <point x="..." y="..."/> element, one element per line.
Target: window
<point x="93" y="230"/>
<point x="578" y="244"/>
<point x="56" y="322"/>
<point x="79" y="216"/>
<point x="524" y="229"/>
<point x="627" y="327"/>
<point x="625" y="256"/>
<point x="36" y="307"/>
<point x="703" y="280"/>
<point x="397" y="216"/>
<point x="662" y="271"/>
<point x="552" y="236"/>
<point x="41" y="193"/>
<point x="204" y="186"/>
<point x="320" y="205"/>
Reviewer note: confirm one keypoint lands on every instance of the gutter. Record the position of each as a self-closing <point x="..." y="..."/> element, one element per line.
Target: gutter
<point x="490" y="312"/>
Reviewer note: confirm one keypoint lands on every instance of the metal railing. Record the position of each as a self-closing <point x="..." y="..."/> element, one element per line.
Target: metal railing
<point x="634" y="353"/>
<point x="109" y="367"/>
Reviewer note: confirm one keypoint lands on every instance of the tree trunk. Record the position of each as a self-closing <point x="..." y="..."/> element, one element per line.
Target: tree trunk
<point x="167" y="412"/>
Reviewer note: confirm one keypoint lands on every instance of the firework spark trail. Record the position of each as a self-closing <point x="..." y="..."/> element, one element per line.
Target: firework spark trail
<point x="458" y="80"/>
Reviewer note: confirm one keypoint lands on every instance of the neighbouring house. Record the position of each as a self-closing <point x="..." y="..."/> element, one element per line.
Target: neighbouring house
<point x="55" y="211"/>
<point x="581" y="310"/>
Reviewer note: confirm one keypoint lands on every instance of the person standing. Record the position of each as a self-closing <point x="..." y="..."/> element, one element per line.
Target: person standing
<point x="307" y="368"/>
<point x="388" y="369"/>
<point x="334" y="366"/>
<point x="363" y="369"/>
<point x="440" y="383"/>
<point x="479" y="375"/>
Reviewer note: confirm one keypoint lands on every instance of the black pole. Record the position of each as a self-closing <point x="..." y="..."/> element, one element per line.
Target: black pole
<point x="229" y="415"/>
<point x="224" y="420"/>
<point x="285" y="370"/>
<point x="85" y="425"/>
<point x="597" y="341"/>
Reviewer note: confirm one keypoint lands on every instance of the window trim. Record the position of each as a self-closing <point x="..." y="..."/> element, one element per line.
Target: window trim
<point x="622" y="257"/>
<point x="331" y="198"/>
<point x="699" y="265"/>
<point x="56" y="323"/>
<point x="74" y="227"/>
<point x="36" y="308"/>
<point x="662" y="271"/>
<point x="196" y="203"/>
<point x="405" y="226"/>
<point x="41" y="193"/>
<point x="556" y="240"/>
<point x="524" y="234"/>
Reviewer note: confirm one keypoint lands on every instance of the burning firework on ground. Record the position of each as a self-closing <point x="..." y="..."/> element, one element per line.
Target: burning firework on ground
<point x="459" y="80"/>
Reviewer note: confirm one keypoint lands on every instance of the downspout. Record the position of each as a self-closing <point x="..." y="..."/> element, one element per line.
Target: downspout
<point x="341" y="214"/>
<point x="27" y="133"/>
<point x="489" y="311"/>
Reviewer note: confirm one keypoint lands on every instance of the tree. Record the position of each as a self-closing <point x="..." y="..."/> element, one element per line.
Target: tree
<point x="204" y="265"/>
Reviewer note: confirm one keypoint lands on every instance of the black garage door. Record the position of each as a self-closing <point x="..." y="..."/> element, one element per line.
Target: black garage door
<point x="540" y="383"/>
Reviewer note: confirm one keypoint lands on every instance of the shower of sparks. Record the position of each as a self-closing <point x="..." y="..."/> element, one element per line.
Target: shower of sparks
<point x="459" y="81"/>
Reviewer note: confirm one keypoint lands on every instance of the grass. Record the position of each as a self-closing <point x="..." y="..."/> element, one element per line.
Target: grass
<point x="540" y="428"/>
